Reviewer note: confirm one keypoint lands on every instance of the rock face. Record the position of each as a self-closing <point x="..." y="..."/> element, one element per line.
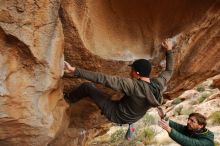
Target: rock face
<point x="216" y="81"/>
<point x="36" y="35"/>
<point x="31" y="55"/>
<point x="126" y="30"/>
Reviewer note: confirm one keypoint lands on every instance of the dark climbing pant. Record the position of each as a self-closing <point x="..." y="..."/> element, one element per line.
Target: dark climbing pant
<point x="107" y="106"/>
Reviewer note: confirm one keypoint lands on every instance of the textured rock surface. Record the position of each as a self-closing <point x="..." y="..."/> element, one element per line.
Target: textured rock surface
<point x="126" y="29"/>
<point x="216" y="81"/>
<point x="36" y="35"/>
<point x="31" y="55"/>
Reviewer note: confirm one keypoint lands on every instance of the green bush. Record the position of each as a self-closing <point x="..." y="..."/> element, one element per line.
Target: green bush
<point x="176" y="101"/>
<point x="204" y="96"/>
<point x="217" y="143"/>
<point x="148" y="119"/>
<point x="215" y="117"/>
<point x="200" y="88"/>
<point x="146" y="135"/>
<point x="117" y="135"/>
<point x="193" y="102"/>
<point x="186" y="111"/>
<point x="177" y="110"/>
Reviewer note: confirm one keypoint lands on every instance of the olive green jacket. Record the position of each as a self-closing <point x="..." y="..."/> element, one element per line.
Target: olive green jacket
<point x="183" y="137"/>
<point x="139" y="95"/>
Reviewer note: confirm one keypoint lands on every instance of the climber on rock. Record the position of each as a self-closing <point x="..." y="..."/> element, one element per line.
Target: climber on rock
<point x="140" y="91"/>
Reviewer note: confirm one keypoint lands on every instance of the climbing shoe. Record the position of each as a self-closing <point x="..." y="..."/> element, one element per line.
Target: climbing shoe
<point x="130" y="132"/>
